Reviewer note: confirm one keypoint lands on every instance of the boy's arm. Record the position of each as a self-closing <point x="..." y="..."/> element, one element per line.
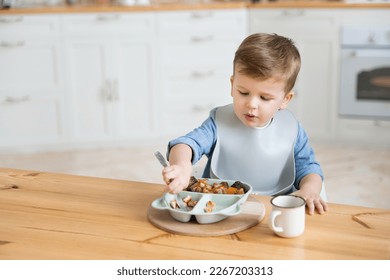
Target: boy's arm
<point x="309" y="174"/>
<point x="305" y="161"/>
<point x="187" y="150"/>
<point x="177" y="175"/>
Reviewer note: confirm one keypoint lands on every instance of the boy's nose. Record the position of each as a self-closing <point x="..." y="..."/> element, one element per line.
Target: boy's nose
<point x="252" y="103"/>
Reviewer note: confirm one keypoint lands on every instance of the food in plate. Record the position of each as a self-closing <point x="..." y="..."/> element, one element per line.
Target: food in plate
<point x="210" y="205"/>
<point x="225" y="205"/>
<point x="173" y="203"/>
<point x="188" y="201"/>
<point x="203" y="186"/>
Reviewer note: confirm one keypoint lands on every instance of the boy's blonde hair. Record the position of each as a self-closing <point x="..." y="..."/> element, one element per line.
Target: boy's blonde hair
<point x="263" y="56"/>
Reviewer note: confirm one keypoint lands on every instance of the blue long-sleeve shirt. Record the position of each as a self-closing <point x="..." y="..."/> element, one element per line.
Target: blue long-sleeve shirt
<point x="202" y="141"/>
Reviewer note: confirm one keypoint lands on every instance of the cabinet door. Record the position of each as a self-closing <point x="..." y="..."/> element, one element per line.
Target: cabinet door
<point x="316" y="37"/>
<point x="110" y="69"/>
<point x="90" y="89"/>
<point x="132" y="116"/>
<point x="31" y="81"/>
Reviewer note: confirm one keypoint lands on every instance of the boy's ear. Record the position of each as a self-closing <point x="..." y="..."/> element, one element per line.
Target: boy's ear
<point x="286" y="100"/>
<point x="231" y="85"/>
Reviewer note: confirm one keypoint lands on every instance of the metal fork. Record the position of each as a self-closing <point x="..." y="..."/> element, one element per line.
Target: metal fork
<point x="164" y="163"/>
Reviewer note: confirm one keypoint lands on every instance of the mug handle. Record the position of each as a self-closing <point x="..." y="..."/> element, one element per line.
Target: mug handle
<point x="273" y="216"/>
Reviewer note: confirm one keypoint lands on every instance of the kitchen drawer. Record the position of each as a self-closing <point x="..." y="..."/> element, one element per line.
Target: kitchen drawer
<point x="108" y="24"/>
<point x="364" y="17"/>
<point x="296" y="19"/>
<point x="197" y="74"/>
<point x="28" y="120"/>
<point x="24" y="27"/>
<point x="186" y="54"/>
<point x="197" y="25"/>
<point x="31" y="66"/>
<point x="197" y="91"/>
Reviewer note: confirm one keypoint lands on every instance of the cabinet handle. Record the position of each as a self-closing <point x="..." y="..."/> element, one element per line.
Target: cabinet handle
<point x="13" y="100"/>
<point x="107" y="94"/>
<point x="383" y="124"/>
<point x="353" y="54"/>
<point x="293" y="13"/>
<point x="199" y="39"/>
<point x="114" y="90"/>
<point x="371" y="39"/>
<point x="11" y="19"/>
<point x="110" y="90"/>
<point x="197" y="74"/>
<point x="369" y="53"/>
<point x="107" y="17"/>
<point x="200" y="15"/>
<point x="16" y="44"/>
<point x="202" y="108"/>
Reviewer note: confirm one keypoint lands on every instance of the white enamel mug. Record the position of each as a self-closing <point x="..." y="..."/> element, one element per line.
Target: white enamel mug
<point x="287" y="218"/>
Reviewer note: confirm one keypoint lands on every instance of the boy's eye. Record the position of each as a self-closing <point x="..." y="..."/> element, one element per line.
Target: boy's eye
<point x="243" y="93"/>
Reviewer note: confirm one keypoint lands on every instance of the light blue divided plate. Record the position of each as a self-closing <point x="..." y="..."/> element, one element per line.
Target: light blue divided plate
<point x="226" y="205"/>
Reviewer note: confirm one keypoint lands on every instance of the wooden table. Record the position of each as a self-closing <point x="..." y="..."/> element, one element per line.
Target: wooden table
<point x="57" y="216"/>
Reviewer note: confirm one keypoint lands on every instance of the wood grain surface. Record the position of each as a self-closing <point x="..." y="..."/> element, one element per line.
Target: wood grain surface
<point x="58" y="216"/>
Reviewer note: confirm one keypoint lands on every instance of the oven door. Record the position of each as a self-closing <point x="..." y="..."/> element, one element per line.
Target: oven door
<point x="365" y="83"/>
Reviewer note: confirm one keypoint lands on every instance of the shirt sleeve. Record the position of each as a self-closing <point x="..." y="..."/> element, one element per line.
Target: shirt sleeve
<point x="305" y="161"/>
<point x="201" y="140"/>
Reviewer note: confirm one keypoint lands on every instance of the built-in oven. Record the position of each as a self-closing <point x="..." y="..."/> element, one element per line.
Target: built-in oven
<point x="365" y="72"/>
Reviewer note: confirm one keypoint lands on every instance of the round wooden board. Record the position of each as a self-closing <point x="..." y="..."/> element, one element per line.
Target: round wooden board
<point x="252" y="212"/>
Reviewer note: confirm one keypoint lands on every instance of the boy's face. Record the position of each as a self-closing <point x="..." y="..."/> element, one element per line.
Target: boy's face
<point x="255" y="101"/>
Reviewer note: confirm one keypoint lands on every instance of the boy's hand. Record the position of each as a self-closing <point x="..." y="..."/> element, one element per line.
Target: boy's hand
<point x="176" y="178"/>
<point x="177" y="175"/>
<point x="313" y="202"/>
<point x="309" y="189"/>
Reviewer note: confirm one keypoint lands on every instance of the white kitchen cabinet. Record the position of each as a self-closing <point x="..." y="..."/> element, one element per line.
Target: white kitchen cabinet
<point x="31" y="81"/>
<point x="195" y="62"/>
<point x="109" y="66"/>
<point x="87" y="78"/>
<point x="315" y="33"/>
